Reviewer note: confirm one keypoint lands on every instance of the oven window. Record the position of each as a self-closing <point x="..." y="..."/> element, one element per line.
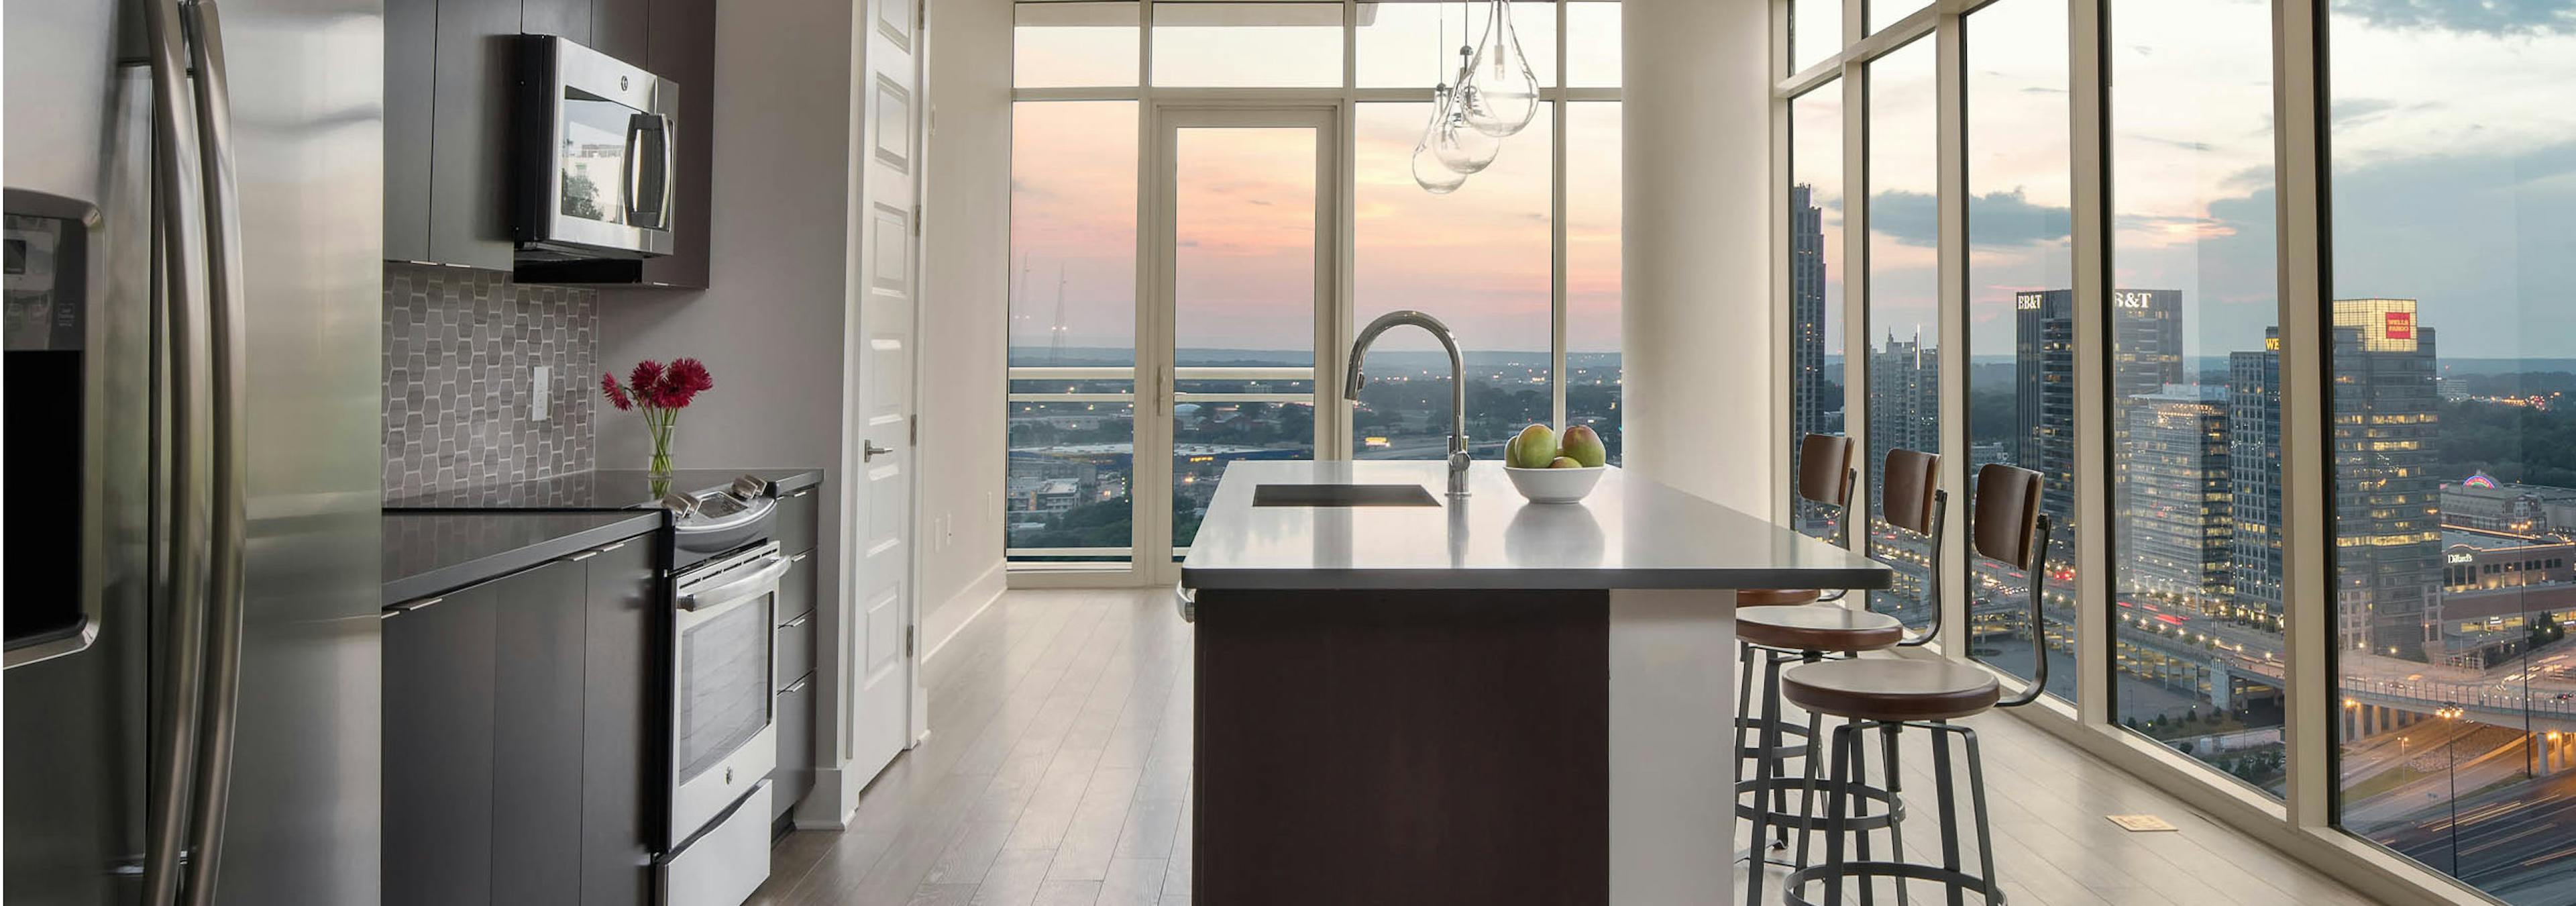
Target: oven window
<point x="724" y="685"/>
<point x="594" y="158"/>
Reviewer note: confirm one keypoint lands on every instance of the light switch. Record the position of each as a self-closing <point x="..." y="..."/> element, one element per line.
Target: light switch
<point x="538" y="392"/>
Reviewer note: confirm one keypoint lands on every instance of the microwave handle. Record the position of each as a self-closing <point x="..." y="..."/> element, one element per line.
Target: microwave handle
<point x="657" y="213"/>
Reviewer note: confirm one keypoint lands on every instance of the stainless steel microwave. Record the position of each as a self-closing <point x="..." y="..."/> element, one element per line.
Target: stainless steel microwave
<point x="594" y="155"/>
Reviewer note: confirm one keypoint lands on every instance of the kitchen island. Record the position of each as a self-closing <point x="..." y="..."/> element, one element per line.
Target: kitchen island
<point x="1471" y="699"/>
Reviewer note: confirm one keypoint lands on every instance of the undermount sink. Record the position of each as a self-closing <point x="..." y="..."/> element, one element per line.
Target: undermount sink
<point x="1340" y="495"/>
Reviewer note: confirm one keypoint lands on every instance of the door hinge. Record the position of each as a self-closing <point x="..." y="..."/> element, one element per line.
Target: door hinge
<point x="916" y="429"/>
<point x="911" y="637"/>
<point x="916" y="219"/>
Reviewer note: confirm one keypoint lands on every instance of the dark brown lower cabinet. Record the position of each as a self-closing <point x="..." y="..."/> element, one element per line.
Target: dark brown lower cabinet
<point x="518" y="720"/>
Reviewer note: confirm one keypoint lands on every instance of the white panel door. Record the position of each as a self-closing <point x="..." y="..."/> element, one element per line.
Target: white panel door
<point x="881" y="650"/>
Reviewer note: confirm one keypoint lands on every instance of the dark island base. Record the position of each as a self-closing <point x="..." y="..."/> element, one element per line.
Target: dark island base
<point x="1412" y="747"/>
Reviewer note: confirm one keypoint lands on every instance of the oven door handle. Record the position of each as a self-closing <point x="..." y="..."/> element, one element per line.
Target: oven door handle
<point x="747" y="587"/>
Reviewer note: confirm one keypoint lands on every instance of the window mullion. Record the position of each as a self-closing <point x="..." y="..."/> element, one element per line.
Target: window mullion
<point x="2092" y="239"/>
<point x="2298" y="142"/>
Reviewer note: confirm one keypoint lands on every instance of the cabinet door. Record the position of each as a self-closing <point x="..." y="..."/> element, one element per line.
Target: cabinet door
<point x="470" y="177"/>
<point x="795" y="773"/>
<point x="618" y="29"/>
<point x="569" y="19"/>
<point x="619" y="723"/>
<point x="539" y="624"/>
<point x="438" y="734"/>
<point x="681" y="47"/>
<point x="411" y="49"/>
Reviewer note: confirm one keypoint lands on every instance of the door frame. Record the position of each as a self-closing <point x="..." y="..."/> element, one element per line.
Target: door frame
<point x="1156" y="311"/>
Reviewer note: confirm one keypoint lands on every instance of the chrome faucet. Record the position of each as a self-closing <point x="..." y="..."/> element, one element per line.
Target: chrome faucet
<point x="1457" y="383"/>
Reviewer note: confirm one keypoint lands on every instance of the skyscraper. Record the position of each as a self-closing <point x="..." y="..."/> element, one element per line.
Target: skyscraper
<point x="2146" y="354"/>
<point x="1808" y="400"/>
<point x="2386" y="423"/>
<point x="2180" y="535"/>
<point x="2254" y="468"/>
<point x="1904" y="413"/>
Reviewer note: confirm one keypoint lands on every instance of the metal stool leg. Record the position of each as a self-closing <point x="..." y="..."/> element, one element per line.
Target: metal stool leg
<point x="1836" y="809"/>
<point x="1977" y="795"/>
<point x="1895" y="785"/>
<point x="1860" y="778"/>
<point x="1949" y="810"/>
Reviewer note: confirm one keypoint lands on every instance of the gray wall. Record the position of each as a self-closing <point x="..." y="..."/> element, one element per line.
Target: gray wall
<point x="965" y="286"/>
<point x="459" y="349"/>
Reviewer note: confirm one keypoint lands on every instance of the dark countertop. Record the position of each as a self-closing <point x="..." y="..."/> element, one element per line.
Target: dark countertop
<point x="604" y="489"/>
<point x="432" y="553"/>
<point x="1631" y="532"/>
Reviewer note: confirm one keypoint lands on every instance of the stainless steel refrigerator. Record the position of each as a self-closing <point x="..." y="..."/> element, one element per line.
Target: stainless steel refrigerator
<point x="193" y="280"/>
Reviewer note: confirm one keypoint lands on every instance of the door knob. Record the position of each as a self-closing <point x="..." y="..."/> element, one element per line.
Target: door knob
<point x="868" y="452"/>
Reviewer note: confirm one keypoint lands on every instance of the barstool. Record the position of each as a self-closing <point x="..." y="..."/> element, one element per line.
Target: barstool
<point x="1890" y="695"/>
<point x="1911" y="500"/>
<point x="1825" y="476"/>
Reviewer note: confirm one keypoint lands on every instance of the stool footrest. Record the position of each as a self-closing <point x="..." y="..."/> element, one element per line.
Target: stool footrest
<point x="1890" y="810"/>
<point x="1785" y="728"/>
<point x="1793" y="888"/>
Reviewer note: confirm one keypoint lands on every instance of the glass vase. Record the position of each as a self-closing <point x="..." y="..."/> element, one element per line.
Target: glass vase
<point x="660" y="424"/>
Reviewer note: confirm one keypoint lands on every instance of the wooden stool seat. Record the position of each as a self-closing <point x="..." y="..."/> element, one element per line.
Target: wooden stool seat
<point x="1891" y="689"/>
<point x="1804" y="628"/>
<point x="1774" y="597"/>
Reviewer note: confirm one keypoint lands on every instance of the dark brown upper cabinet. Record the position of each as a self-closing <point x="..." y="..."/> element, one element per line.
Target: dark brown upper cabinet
<point x="450" y="83"/>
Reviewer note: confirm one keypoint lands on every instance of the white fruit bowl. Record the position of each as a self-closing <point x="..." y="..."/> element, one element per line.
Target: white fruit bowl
<point x="1555" y="485"/>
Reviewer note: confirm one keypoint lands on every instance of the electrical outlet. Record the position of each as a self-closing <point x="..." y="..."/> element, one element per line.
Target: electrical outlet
<point x="538" y="393"/>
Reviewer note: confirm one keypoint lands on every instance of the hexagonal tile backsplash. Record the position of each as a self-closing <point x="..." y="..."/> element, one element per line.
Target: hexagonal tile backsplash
<point x="460" y="347"/>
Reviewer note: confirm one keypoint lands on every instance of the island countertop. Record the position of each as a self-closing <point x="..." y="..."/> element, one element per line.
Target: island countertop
<point x="1630" y="533"/>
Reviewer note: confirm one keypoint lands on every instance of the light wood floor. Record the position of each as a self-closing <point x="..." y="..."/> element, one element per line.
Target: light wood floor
<point x="1058" y="769"/>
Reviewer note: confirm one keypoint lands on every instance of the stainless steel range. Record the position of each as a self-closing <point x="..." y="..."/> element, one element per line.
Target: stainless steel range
<point x="724" y="737"/>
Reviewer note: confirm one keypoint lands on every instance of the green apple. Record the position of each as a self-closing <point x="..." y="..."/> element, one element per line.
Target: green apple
<point x="1537" y="445"/>
<point x="1585" y="446"/>
<point x="1564" y="462"/>
<point x="1512" y="452"/>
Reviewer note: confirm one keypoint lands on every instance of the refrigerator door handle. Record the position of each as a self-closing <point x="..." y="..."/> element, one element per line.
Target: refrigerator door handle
<point x="227" y="337"/>
<point x="181" y="585"/>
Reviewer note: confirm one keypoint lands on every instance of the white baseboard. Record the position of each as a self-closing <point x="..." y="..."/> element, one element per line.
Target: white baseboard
<point x="952" y="616"/>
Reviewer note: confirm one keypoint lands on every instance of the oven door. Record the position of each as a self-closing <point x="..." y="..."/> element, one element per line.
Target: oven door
<point x="723" y="719"/>
<point x="595" y="150"/>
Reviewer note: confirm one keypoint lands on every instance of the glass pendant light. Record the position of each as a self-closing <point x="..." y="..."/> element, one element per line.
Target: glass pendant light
<point x="1429" y="171"/>
<point x="1462" y="147"/>
<point x="1498" y="95"/>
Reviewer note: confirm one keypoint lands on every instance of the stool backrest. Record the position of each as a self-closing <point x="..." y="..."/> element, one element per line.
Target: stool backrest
<point x="1910" y="498"/>
<point x="2008" y="527"/>
<point x="2005" y="522"/>
<point x="1906" y="488"/>
<point x="1825" y="469"/>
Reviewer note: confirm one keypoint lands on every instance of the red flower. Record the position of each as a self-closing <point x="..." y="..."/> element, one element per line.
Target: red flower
<point x="642" y="382"/>
<point x="685" y="379"/>
<point x="616" y="394"/>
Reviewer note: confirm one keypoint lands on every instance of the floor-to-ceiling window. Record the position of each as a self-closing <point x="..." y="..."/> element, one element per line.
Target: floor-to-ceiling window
<point x="1205" y="339"/>
<point x="2193" y="390"/>
<point x="1902" y="328"/>
<point x="1815" y="227"/>
<point x="2274" y="296"/>
<point x="2451" y="327"/>
<point x="2021" y="312"/>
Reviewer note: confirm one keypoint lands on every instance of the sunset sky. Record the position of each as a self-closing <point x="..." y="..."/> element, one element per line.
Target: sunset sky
<point x="2468" y="201"/>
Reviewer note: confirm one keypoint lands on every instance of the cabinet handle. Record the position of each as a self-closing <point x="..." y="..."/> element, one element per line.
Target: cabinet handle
<point x="800" y="558"/>
<point x="408" y="606"/>
<point x="797" y="686"/>
<point x="611" y="547"/>
<point x="584" y="555"/>
<point x="799" y="621"/>
<point x="802" y="493"/>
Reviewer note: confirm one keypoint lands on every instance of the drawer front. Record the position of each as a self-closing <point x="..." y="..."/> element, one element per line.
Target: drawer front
<point x="796" y="592"/>
<point x="796" y="519"/>
<point x="795" y="651"/>
<point x="795" y="773"/>
<point x="727" y="863"/>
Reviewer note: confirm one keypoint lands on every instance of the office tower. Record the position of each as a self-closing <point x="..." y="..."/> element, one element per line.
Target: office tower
<point x="2386" y="424"/>
<point x="2179" y="534"/>
<point x="1904" y="413"/>
<point x="2254" y="468"/>
<point x="2146" y="354"/>
<point x="1808" y="400"/>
